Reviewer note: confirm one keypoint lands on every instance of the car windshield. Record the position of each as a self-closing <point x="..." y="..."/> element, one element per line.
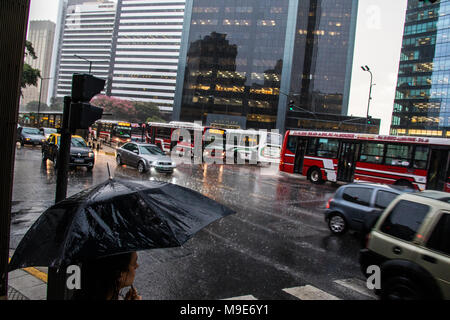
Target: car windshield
<point x="151" y="150"/>
<point x="30" y="131"/>
<point x="49" y="130"/>
<point x="76" y="142"/>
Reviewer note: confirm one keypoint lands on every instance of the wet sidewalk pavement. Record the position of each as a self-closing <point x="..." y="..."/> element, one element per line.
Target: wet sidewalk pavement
<point x="27" y="284"/>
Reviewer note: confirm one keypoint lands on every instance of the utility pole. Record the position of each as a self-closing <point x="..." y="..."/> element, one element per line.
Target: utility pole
<point x="78" y="114"/>
<point x="14" y="18"/>
<point x="366" y="68"/>
<point x="39" y="104"/>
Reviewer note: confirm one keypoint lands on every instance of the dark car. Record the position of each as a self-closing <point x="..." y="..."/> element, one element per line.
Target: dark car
<point x="357" y="206"/>
<point x="27" y="135"/>
<point x="80" y="154"/>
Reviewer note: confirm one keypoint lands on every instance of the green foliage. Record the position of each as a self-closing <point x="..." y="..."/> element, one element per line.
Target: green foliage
<point x="30" y="75"/>
<point x="125" y="110"/>
<point x="33" y="106"/>
<point x="56" y="103"/>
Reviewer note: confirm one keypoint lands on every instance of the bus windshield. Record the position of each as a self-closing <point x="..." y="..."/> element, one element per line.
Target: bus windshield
<point x="121" y="131"/>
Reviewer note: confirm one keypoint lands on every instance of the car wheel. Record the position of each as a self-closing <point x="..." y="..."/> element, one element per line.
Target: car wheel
<point x="337" y="224"/>
<point x="401" y="288"/>
<point x="119" y="161"/>
<point x="21" y="143"/>
<point x="315" y="176"/>
<point x="89" y="169"/>
<point x="141" y="167"/>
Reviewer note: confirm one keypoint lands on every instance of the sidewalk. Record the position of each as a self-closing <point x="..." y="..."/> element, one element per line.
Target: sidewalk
<point x="27" y="284"/>
<point x="24" y="286"/>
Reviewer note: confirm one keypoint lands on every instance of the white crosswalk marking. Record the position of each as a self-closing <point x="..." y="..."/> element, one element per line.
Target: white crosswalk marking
<point x="248" y="297"/>
<point x="357" y="285"/>
<point x="310" y="293"/>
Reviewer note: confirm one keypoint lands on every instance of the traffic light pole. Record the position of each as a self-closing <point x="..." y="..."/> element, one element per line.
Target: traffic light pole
<point x="56" y="286"/>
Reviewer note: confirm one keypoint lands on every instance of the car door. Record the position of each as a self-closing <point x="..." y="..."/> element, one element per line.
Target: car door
<point x="124" y="153"/>
<point x="358" y="204"/>
<point x="134" y="155"/>
<point x="383" y="199"/>
<point x="434" y="256"/>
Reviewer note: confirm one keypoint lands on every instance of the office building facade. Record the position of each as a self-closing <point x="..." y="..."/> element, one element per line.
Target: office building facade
<point x="85" y="42"/>
<point x="243" y="61"/>
<point x="41" y="35"/>
<point x="145" y="58"/>
<point x="422" y="101"/>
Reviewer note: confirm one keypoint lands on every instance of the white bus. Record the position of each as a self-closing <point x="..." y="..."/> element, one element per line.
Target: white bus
<point x="258" y="146"/>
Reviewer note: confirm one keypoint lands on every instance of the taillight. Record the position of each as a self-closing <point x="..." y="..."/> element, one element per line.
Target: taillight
<point x="329" y="203"/>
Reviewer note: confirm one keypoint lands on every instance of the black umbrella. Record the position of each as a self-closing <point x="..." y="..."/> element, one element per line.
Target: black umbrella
<point x="114" y="217"/>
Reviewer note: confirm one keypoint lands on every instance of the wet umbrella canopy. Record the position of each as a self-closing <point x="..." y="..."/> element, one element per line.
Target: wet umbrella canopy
<point x="116" y="216"/>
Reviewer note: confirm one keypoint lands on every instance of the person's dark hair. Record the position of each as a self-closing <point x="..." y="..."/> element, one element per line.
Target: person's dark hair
<point x="101" y="277"/>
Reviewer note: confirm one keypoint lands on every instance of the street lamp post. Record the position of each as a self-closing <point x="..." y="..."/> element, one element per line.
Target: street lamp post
<point x="90" y="62"/>
<point x="366" y="68"/>
<point x="39" y="103"/>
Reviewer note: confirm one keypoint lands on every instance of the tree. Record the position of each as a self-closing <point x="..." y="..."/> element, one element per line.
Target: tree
<point x="148" y="112"/>
<point x="126" y="110"/>
<point x="119" y="108"/>
<point x="30" y="75"/>
<point x="56" y="103"/>
<point x="33" y="106"/>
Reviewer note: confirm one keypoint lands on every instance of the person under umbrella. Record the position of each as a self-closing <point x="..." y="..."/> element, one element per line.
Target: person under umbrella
<point x="104" y="278"/>
<point x="115" y="217"/>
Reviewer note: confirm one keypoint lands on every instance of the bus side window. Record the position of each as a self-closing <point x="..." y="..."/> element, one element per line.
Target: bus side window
<point x="312" y="147"/>
<point x="398" y="155"/>
<point x="420" y="157"/>
<point x="292" y="144"/>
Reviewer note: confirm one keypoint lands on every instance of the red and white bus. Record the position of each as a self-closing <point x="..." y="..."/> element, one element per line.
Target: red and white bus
<point x="138" y="132"/>
<point x="111" y="131"/>
<point x="418" y="162"/>
<point x="160" y="134"/>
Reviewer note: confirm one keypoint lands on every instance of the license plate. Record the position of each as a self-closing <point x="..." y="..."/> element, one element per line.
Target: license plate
<point x="79" y="160"/>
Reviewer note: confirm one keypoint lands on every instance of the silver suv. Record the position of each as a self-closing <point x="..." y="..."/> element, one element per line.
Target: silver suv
<point x="410" y="243"/>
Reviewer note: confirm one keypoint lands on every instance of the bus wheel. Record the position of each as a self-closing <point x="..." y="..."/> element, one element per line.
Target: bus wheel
<point x="315" y="176"/>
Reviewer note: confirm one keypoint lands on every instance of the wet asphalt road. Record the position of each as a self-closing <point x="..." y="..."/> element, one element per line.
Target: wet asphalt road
<point x="277" y="239"/>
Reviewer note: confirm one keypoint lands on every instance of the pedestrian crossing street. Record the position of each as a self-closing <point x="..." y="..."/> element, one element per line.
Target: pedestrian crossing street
<point x="309" y="292"/>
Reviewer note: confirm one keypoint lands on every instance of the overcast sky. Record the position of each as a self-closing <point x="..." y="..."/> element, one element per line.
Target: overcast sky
<point x="378" y="43"/>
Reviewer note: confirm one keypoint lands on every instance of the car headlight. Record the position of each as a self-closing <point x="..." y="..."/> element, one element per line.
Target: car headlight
<point x="90" y="154"/>
<point x="28" y="139"/>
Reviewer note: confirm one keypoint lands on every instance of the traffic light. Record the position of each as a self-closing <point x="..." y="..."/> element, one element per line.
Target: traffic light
<point x="84" y="88"/>
<point x="369" y="120"/>
<point x="291" y="105"/>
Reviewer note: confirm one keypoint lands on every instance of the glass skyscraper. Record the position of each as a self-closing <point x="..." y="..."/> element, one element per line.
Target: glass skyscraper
<point x="422" y="101"/>
<point x="242" y="61"/>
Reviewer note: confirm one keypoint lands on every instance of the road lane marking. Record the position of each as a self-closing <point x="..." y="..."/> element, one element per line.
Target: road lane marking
<point x="248" y="297"/>
<point x="357" y="285"/>
<point x="309" y="292"/>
